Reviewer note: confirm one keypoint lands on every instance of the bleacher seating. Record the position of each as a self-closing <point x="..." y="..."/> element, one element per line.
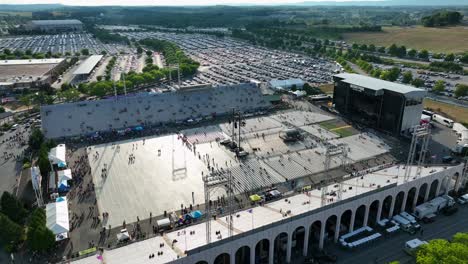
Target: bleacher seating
<point x="87" y="117"/>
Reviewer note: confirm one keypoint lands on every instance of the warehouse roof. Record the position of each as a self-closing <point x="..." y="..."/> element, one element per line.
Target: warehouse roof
<point x="56" y="22"/>
<point x="377" y="84"/>
<point x="88" y="65"/>
<point x="31" y="61"/>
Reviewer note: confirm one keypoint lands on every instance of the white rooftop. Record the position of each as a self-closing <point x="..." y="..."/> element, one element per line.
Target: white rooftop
<point x="88" y="65"/>
<point x="377" y="84"/>
<point x="58" y="154"/>
<point x="56" y="22"/>
<point x="57" y="219"/>
<point x="30" y="61"/>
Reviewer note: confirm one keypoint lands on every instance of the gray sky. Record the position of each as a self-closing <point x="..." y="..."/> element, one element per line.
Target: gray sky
<point x="158" y="2"/>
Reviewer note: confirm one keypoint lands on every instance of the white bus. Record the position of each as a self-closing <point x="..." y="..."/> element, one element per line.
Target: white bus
<point x="442" y="120"/>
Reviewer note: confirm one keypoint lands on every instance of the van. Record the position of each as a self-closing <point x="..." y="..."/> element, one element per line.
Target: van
<point x="412" y="246"/>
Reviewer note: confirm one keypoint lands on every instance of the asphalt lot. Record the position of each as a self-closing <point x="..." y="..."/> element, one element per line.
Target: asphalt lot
<point x="10" y="148"/>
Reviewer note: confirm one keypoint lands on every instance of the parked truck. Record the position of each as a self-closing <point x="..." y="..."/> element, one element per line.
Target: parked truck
<point x="412" y="219"/>
<point x="433" y="206"/>
<point x="405" y="225"/>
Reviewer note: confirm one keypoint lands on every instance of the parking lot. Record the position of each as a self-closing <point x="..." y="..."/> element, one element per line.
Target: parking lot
<point x="61" y="43"/>
<point x="229" y="61"/>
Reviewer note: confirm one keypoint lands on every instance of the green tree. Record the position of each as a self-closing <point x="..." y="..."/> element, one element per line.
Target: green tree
<point x="39" y="237"/>
<point x="449" y="57"/>
<point x="417" y="82"/>
<point x="2" y="110"/>
<point x="139" y="50"/>
<point x="12" y="208"/>
<point x="412" y="53"/>
<point x="371" y="48"/>
<point x="381" y="50"/>
<point x="461" y="90"/>
<point x="85" y="52"/>
<point x="443" y="251"/>
<point x="464" y="58"/>
<point x="407" y="77"/>
<point x="36" y="139"/>
<point x="149" y="53"/>
<point x="7" y="51"/>
<point x="439" y="86"/>
<point x="423" y="54"/>
<point x="10" y="232"/>
<point x="393" y="50"/>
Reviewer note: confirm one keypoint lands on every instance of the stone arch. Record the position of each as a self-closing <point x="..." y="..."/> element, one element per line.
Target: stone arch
<point x="243" y="255"/>
<point x="373" y="213"/>
<point x="223" y="258"/>
<point x="262" y="251"/>
<point x="398" y="202"/>
<point x="422" y="193"/>
<point x="360" y="216"/>
<point x="314" y="234"/>
<point x="433" y="189"/>
<point x="298" y="241"/>
<point x="280" y="247"/>
<point x="330" y="227"/>
<point x="345" y="221"/>
<point x="386" y="206"/>
<point x="410" y="199"/>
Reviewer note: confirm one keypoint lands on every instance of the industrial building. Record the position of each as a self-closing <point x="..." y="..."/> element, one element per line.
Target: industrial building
<point x="86" y="68"/>
<point x="384" y="105"/>
<point x="20" y="74"/>
<point x="55" y="26"/>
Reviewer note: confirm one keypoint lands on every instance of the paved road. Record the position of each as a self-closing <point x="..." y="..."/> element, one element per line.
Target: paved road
<point x="391" y="248"/>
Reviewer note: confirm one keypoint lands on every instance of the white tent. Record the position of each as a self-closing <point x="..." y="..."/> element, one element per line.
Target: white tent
<point x="64" y="175"/>
<point x="57" y="155"/>
<point x="57" y="216"/>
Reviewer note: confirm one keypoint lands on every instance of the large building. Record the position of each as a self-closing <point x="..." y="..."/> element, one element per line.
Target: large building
<point x="20" y="74"/>
<point x="285" y="229"/>
<point x="85" y="69"/>
<point x="148" y="109"/>
<point x="54" y="26"/>
<point x="384" y="105"/>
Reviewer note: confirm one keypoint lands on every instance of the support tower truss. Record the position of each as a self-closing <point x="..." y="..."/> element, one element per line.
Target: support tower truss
<point x="213" y="182"/>
<point x="421" y="136"/>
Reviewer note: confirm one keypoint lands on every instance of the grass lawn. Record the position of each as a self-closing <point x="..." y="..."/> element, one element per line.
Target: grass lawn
<point x="329" y="124"/>
<point x="457" y="113"/>
<point x="338" y="127"/>
<point x="446" y="39"/>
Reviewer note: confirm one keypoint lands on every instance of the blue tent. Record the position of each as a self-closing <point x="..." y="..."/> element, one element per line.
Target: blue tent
<point x="196" y="214"/>
<point x="62" y="165"/>
<point x="138" y="128"/>
<point x="60" y="199"/>
<point x="63" y="186"/>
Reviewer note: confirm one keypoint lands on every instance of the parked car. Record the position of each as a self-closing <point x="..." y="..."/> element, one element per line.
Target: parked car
<point x="463" y="199"/>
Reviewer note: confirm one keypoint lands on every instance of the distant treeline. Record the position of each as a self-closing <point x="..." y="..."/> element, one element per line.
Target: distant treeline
<point x="105" y="36"/>
<point x="444" y="18"/>
<point x="172" y="54"/>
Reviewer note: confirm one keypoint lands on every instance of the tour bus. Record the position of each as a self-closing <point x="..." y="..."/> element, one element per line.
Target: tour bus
<point x="442" y="120"/>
